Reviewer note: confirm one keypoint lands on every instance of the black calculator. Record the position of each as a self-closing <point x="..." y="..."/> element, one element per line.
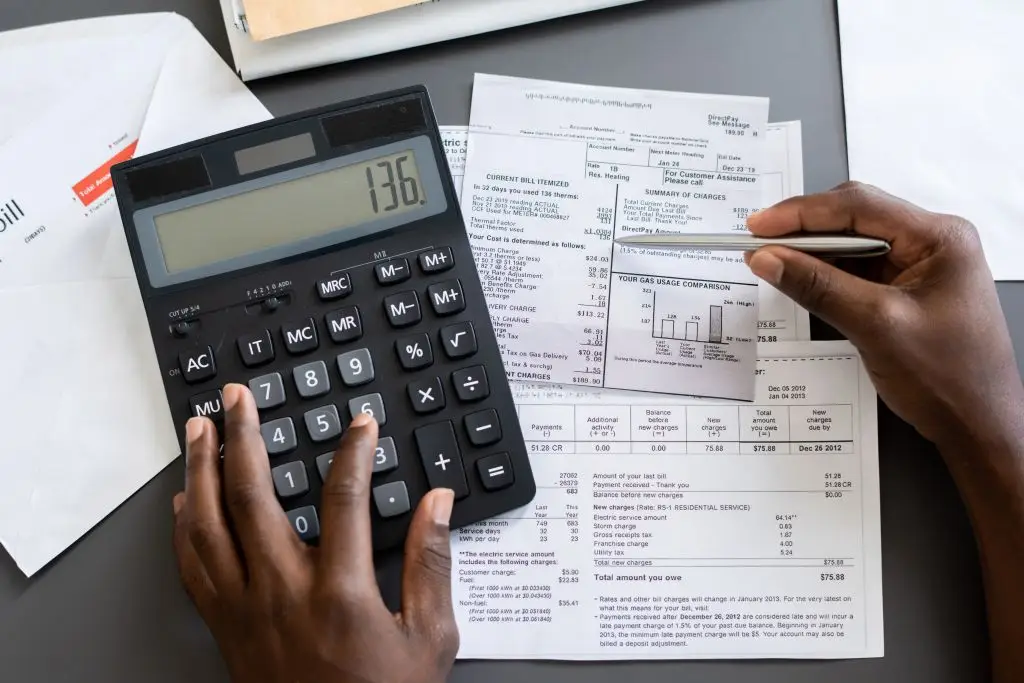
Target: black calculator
<point x="322" y="260"/>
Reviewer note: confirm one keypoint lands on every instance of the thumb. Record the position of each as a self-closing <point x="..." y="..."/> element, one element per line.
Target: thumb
<point x="427" y="575"/>
<point x="844" y="301"/>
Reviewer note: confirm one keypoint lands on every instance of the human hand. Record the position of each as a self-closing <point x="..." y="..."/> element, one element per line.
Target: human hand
<point x="282" y="611"/>
<point x="925" y="318"/>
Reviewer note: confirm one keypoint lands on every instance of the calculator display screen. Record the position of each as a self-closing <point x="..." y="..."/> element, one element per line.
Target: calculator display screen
<point x="288" y="212"/>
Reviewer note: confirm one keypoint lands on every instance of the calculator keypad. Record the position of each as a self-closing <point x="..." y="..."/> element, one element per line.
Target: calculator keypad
<point x="279" y="436"/>
<point x="312" y="379"/>
<point x="323" y="424"/>
<point x="356" y="367"/>
<point x="268" y="391"/>
<point x="307" y="388"/>
<point x="372" y="405"/>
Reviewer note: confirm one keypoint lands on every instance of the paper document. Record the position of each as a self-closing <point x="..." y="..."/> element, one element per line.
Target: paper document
<point x="273" y="18"/>
<point x="400" y="29"/>
<point x="668" y="528"/>
<point x="105" y="429"/>
<point x="933" y="96"/>
<point x="554" y="172"/>
<point x="779" y="317"/>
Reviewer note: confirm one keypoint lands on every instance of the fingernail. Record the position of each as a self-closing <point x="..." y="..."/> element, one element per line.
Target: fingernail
<point x="232" y="394"/>
<point x="767" y="266"/>
<point x="753" y="216"/>
<point x="441" y="506"/>
<point x="746" y="257"/>
<point x="360" y="420"/>
<point x="193" y="429"/>
<point x="178" y="502"/>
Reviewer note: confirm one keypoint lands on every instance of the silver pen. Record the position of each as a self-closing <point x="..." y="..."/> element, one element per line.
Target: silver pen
<point x="825" y="246"/>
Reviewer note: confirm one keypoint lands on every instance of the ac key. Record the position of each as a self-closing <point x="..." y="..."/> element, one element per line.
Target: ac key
<point x="427" y="396"/>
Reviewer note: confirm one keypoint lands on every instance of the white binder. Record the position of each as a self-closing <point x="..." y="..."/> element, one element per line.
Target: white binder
<point x="430" y="22"/>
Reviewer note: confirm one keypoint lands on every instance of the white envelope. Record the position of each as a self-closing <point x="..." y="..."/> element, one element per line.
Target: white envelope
<point x="82" y="408"/>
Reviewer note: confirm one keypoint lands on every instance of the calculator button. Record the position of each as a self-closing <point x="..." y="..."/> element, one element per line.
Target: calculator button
<point x="471" y="384"/>
<point x="198" y="366"/>
<point x="305" y="523"/>
<point x="483" y="428"/>
<point x="300" y="337"/>
<point x="403" y="309"/>
<point x="372" y="405"/>
<point x="495" y="471"/>
<point x="344" y="324"/>
<point x="390" y="272"/>
<point x="279" y="436"/>
<point x="385" y="458"/>
<point x="356" y="367"/>
<point x="208" y="404"/>
<point x="392" y="499"/>
<point x="256" y="349"/>
<point x="414" y="352"/>
<point x="426" y="395"/>
<point x="312" y="379"/>
<point x="323" y="464"/>
<point x="323" y="424"/>
<point x="334" y="287"/>
<point x="446" y="297"/>
<point x="268" y="390"/>
<point x="459" y="340"/>
<point x="436" y="260"/>
<point x="441" y="459"/>
<point x="290" y="480"/>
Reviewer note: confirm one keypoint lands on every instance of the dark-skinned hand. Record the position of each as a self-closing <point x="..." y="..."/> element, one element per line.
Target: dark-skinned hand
<point x="284" y="612"/>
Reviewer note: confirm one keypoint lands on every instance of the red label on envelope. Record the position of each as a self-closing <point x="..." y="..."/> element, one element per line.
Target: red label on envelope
<point x="97" y="183"/>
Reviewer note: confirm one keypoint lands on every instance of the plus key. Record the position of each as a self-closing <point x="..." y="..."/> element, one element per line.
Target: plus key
<point x="442" y="461"/>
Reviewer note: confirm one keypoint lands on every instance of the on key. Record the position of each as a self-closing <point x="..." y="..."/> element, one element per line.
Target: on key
<point x="198" y="365"/>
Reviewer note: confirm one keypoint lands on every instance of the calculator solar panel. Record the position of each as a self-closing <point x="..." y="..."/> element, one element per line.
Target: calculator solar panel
<point x="322" y="260"/>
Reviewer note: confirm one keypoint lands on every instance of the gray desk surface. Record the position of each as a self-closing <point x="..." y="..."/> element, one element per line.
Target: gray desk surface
<point x="111" y="609"/>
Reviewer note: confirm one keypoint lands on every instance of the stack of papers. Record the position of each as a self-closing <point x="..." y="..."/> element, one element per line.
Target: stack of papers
<point x="88" y="424"/>
<point x="666" y="526"/>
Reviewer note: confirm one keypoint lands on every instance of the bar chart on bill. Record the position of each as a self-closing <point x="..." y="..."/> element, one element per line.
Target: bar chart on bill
<point x="704" y="327"/>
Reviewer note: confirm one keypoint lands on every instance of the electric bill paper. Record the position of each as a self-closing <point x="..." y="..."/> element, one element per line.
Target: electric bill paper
<point x="779" y="317"/>
<point x="674" y="528"/>
<point x="555" y="172"/>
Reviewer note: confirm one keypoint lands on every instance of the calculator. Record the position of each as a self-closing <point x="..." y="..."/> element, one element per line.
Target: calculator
<point x="322" y="260"/>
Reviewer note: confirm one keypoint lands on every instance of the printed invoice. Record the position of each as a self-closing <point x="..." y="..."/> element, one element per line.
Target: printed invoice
<point x="554" y="172"/>
<point x="779" y="318"/>
<point x="672" y="528"/>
